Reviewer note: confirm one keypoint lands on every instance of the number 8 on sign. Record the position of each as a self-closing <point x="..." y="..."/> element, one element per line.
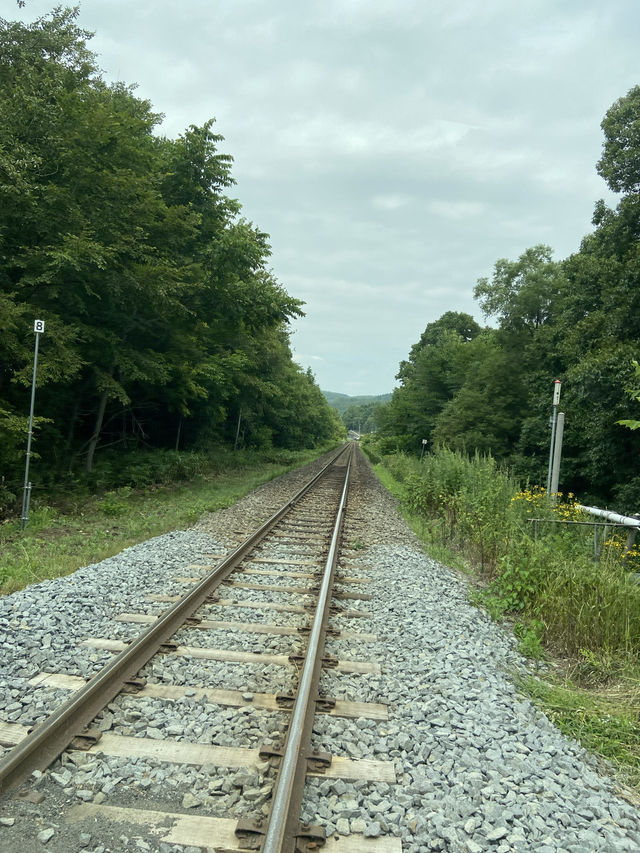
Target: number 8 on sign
<point x="38" y="326"/>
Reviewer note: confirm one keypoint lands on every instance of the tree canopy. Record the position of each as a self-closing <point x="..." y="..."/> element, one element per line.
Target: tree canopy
<point x="164" y="324"/>
<point x="620" y="161"/>
<point x="577" y="320"/>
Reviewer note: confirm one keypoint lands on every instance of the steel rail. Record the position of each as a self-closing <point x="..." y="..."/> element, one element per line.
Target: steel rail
<point x="50" y="738"/>
<point x="284" y="815"/>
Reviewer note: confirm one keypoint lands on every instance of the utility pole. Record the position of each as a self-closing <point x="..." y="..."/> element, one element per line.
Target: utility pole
<point x="38" y="328"/>
<point x="557" y="456"/>
<point x="556" y="402"/>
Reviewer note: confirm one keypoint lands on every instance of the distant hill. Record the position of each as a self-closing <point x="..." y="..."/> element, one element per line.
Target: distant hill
<point x="341" y="402"/>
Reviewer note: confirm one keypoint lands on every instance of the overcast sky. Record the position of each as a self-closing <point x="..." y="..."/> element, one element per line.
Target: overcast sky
<point x="393" y="150"/>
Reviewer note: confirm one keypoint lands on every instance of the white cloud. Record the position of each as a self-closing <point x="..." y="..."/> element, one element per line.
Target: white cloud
<point x="393" y="150"/>
<point x="457" y="210"/>
<point x="390" y="202"/>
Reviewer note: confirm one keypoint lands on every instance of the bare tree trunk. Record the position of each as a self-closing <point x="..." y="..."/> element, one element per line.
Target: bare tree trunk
<point x="71" y="434"/>
<point x="178" y="435"/>
<point x="235" y="443"/>
<point x="96" y="432"/>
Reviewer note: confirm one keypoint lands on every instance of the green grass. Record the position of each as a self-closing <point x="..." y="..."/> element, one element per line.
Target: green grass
<point x="83" y="530"/>
<point x="604" y="721"/>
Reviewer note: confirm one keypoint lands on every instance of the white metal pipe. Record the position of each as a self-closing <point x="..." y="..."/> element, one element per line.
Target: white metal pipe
<point x="554" y="419"/>
<point x="557" y="455"/>
<point x="613" y="517"/>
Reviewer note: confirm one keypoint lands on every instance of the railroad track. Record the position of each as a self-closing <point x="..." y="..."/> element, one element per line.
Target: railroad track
<point x="286" y="576"/>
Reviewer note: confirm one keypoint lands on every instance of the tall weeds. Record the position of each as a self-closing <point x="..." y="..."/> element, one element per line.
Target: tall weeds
<point x="544" y="573"/>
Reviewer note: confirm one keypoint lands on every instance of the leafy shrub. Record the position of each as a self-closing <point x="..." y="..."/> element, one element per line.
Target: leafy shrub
<point x="401" y="467"/>
<point x="521" y="576"/>
<point x="627" y="496"/>
<point x="369" y="447"/>
<point x="114" y="503"/>
<point x="392" y="444"/>
<point x="138" y="469"/>
<point x="530" y="634"/>
<point x="471" y="496"/>
<point x="8" y="500"/>
<point x="547" y="576"/>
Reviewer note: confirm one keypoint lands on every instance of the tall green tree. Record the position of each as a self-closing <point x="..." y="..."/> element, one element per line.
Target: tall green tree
<point x="163" y="319"/>
<point x="485" y="413"/>
<point x="620" y="161"/>
<point x="429" y="378"/>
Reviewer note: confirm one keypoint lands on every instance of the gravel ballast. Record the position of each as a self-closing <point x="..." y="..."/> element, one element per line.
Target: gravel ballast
<point x="478" y="767"/>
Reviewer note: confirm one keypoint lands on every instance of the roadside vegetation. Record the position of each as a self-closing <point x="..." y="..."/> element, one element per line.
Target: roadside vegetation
<point x="69" y="530"/>
<point x="578" y="617"/>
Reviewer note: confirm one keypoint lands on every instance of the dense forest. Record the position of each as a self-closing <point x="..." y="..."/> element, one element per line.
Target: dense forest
<point x="578" y="320"/>
<point x="358" y="413"/>
<point x="164" y="327"/>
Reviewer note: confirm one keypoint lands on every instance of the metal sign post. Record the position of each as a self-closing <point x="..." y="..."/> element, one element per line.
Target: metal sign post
<point x="38" y="328"/>
<point x="556" y="402"/>
<point x="424" y="444"/>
